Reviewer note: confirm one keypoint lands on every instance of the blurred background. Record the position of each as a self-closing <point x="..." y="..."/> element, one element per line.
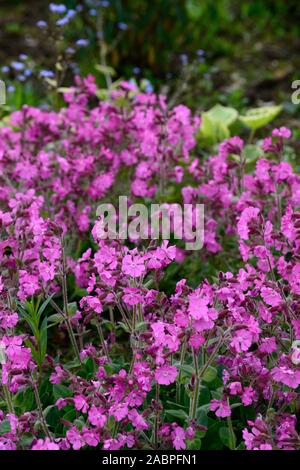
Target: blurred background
<point x="232" y="52"/>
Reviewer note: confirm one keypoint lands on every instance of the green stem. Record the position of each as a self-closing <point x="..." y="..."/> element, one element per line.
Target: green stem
<point x="195" y="397"/>
<point x="8" y="399"/>
<point x="211" y="357"/>
<point x="40" y="410"/>
<point x="102" y="341"/>
<point x="65" y="301"/>
<point x="69" y="328"/>
<point x="155" y="434"/>
<point x="231" y="433"/>
<point x="178" y="382"/>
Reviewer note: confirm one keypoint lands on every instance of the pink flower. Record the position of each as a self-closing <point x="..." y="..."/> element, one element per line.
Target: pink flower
<point x="137" y="420"/>
<point x="198" y="307"/>
<point x="268" y="345"/>
<point x="295" y="279"/>
<point x="166" y="375"/>
<point x="287" y="376"/>
<point x="270" y="296"/>
<point x="221" y="408"/>
<point x="47" y="271"/>
<point x="264" y="447"/>
<point x="134" y="266"/>
<point x="8" y="319"/>
<point x="29" y="284"/>
<point x="75" y="438"/>
<point x="58" y="376"/>
<point x="287" y="225"/>
<point x="97" y="417"/>
<point x="196" y="340"/>
<point x="45" y="444"/>
<point x="16" y="353"/>
<point x="178" y="438"/>
<point x="92" y="303"/>
<point x="283" y="132"/>
<point x="81" y="403"/>
<point x="241" y="341"/>
<point x="235" y="388"/>
<point x="132" y="296"/>
<point x="248" y="215"/>
<point x="248" y="396"/>
<point x="90" y="437"/>
<point x="119" y="411"/>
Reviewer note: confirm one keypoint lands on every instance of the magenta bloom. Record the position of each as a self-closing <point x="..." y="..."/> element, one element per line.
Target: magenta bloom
<point x="287" y="376"/>
<point x="96" y="417"/>
<point x="249" y="214"/>
<point x="132" y="296"/>
<point x="221" y="408"/>
<point x="45" y="444"/>
<point x="198" y="307"/>
<point x="178" y="438"/>
<point x="271" y="297"/>
<point x="80" y="403"/>
<point x="134" y="266"/>
<point x="166" y="375"/>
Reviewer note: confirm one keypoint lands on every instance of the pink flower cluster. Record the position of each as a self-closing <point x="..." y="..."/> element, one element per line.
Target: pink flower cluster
<point x="140" y="348"/>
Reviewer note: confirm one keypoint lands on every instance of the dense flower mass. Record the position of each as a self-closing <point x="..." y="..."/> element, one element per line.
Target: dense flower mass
<point x="96" y="349"/>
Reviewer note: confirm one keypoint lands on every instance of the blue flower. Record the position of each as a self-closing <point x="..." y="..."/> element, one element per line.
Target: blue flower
<point x="41" y="24"/>
<point x="57" y="8"/>
<point x="17" y="65"/>
<point x="122" y="26"/>
<point x="62" y="21"/>
<point x="46" y="74"/>
<point x="82" y="42"/>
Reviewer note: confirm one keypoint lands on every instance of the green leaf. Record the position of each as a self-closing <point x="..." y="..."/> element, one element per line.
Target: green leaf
<point x="43" y="339"/>
<point x="123" y="326"/>
<point x="201" y="414"/>
<point x="4" y="427"/>
<point x="61" y="391"/>
<point x="210" y="374"/>
<point x="175" y="404"/>
<point x="195" y="444"/>
<point x="223" y="114"/>
<point x="65" y="90"/>
<point x="55" y="319"/>
<point x="187" y="369"/>
<point x="141" y="326"/>
<point x="72" y="309"/>
<point x="34" y="352"/>
<point x="194" y="9"/>
<point x="215" y="124"/>
<point x="228" y="439"/>
<point x="180" y="414"/>
<point x="25" y="399"/>
<point x="258" y="117"/>
<point x="44" y="305"/>
<point x="47" y="410"/>
<point x="105" y="70"/>
<point x="252" y="153"/>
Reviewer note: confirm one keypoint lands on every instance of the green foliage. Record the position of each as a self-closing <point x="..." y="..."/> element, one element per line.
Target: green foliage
<point x="216" y="124"/>
<point x="260" y="117"/>
<point x="227" y="437"/>
<point x="32" y="313"/>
